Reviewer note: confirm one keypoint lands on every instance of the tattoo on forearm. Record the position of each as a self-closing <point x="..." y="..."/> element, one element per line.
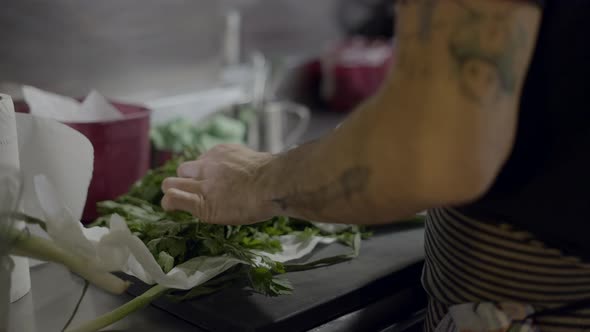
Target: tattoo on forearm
<point x="484" y="48"/>
<point x="484" y="45"/>
<point x="351" y="182"/>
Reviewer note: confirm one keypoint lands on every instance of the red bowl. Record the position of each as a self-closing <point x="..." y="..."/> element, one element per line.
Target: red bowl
<point x="352" y="75"/>
<point x="121" y="153"/>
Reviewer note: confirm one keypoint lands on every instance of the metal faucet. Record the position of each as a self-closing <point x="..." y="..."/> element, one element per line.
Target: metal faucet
<point x="266" y="128"/>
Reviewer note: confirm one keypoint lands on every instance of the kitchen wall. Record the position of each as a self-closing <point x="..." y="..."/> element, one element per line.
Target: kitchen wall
<point x="144" y="48"/>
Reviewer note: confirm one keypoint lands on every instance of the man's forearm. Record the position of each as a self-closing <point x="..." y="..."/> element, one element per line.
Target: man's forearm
<point x="439" y="131"/>
<point x="343" y="177"/>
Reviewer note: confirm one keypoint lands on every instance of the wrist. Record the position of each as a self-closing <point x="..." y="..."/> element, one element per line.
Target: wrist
<point x="267" y="184"/>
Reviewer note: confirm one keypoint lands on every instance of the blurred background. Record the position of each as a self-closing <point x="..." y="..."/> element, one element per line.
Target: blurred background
<point x="145" y="49"/>
<point x="191" y="74"/>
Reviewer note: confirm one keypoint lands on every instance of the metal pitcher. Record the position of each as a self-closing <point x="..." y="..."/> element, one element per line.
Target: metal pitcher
<point x="272" y="131"/>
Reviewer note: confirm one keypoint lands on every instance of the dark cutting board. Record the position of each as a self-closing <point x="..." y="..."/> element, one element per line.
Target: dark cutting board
<point x="389" y="262"/>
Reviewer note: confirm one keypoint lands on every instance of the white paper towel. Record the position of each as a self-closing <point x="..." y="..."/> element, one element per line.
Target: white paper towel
<point x="59" y="152"/>
<point x="43" y="146"/>
<point x="49" y="105"/>
<point x="63" y="154"/>
<point x="8" y="136"/>
<point x="9" y="166"/>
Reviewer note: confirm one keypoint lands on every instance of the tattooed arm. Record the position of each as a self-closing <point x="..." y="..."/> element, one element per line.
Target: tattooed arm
<point x="437" y="133"/>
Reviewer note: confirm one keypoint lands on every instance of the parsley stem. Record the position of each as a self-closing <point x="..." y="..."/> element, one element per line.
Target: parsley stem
<point x="123" y="311"/>
<point x="28" y="245"/>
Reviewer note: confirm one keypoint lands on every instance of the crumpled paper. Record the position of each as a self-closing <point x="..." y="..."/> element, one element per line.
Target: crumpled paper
<point x="94" y="108"/>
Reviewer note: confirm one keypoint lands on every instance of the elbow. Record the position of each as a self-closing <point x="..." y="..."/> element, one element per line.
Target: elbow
<point x="461" y="188"/>
<point x="456" y="167"/>
<point x="458" y="180"/>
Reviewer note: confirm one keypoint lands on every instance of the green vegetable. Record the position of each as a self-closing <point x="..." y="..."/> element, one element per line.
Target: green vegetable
<point x="128" y="308"/>
<point x="180" y="134"/>
<point x="166" y="261"/>
<point x="263" y="282"/>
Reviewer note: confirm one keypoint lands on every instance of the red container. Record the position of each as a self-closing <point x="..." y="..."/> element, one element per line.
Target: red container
<point x="354" y="71"/>
<point x="121" y="153"/>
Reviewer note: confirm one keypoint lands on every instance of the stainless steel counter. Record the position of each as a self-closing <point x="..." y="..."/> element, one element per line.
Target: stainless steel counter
<point x="53" y="297"/>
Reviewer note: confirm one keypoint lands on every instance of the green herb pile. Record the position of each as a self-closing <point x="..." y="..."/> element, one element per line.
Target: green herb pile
<point x="176" y="237"/>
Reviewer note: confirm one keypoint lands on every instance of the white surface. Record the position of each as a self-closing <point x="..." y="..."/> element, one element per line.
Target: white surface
<point x="65" y="109"/>
<point x="20" y="279"/>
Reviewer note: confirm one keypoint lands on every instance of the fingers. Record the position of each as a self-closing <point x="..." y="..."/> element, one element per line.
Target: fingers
<point x="184" y="184"/>
<point x="198" y="169"/>
<point x="183" y="194"/>
<point x="175" y="199"/>
<point x="190" y="169"/>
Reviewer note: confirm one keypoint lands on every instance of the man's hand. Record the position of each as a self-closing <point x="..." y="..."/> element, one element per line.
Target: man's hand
<point x="221" y="187"/>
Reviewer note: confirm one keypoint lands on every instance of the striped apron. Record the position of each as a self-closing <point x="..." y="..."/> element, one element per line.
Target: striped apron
<point x="468" y="261"/>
